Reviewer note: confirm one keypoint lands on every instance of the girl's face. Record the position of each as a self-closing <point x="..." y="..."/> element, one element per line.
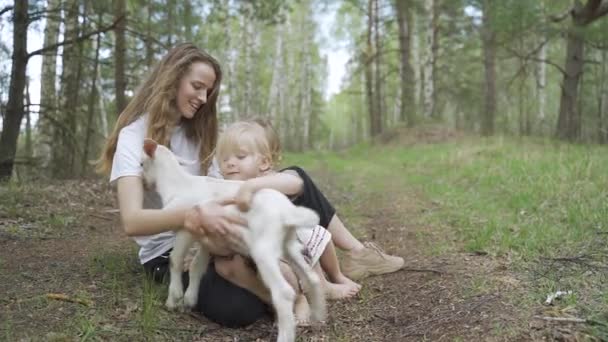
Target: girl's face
<point x="242" y="164"/>
<point x="193" y="88"/>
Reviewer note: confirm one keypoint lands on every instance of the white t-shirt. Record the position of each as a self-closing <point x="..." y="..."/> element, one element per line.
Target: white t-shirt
<point x="127" y="162"/>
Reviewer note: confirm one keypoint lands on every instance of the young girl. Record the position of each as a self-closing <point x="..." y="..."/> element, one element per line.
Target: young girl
<point x="244" y="153"/>
<point x="360" y="260"/>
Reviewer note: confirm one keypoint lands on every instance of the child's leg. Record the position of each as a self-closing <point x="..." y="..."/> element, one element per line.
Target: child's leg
<point x="360" y="260"/>
<point x="341" y="237"/>
<point x="339" y="286"/>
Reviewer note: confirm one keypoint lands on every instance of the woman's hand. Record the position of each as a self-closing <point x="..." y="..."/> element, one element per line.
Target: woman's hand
<point x="212" y="218"/>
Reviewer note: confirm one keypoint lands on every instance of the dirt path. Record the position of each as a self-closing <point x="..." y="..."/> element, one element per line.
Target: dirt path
<point x="64" y="238"/>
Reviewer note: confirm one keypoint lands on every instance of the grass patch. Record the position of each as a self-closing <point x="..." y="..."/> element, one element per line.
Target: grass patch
<point x="150" y="306"/>
<point x="531" y="200"/>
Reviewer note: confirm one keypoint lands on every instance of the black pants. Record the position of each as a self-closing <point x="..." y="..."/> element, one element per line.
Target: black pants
<point x="312" y="198"/>
<point x="218" y="299"/>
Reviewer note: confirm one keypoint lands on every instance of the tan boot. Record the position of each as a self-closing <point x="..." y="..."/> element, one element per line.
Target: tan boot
<point x="369" y="261"/>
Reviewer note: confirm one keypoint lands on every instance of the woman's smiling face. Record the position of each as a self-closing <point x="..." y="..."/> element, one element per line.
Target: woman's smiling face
<point x="193" y="89"/>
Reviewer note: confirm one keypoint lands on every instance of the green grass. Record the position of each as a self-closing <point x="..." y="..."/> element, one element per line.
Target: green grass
<point x="150" y="309"/>
<point x="500" y="196"/>
<point x="528" y="200"/>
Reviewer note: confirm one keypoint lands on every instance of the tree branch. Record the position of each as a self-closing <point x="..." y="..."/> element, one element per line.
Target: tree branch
<point x="6" y="9"/>
<point x="556" y="18"/>
<point x="71" y="41"/>
<point x="603" y="10"/>
<point x="535" y="59"/>
<point x="593" y="10"/>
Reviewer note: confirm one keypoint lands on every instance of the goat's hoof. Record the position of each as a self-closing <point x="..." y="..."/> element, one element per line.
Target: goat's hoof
<point x="318" y="316"/>
<point x="190" y="300"/>
<point x="174" y="305"/>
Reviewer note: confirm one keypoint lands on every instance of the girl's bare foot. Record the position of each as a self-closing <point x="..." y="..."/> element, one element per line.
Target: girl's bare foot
<point x="341" y="287"/>
<point x="302" y="311"/>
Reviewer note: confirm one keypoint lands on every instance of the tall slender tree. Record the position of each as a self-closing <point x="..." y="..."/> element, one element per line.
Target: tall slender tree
<point x="489" y="62"/>
<point x="120" y="50"/>
<point x="14" y="108"/>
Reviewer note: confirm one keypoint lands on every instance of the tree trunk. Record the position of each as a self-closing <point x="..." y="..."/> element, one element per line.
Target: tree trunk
<point x="48" y="91"/>
<point x="188" y="21"/>
<point x="379" y="117"/>
<point x="14" y="108"/>
<point x="489" y="62"/>
<point x="120" y="81"/>
<point x="170" y="8"/>
<point x="429" y="60"/>
<point x="103" y="113"/>
<point x="603" y="101"/>
<point x="416" y="62"/>
<point x="91" y="106"/>
<point x="28" y="122"/>
<point x="64" y="143"/>
<point x="149" y="40"/>
<point x="407" y="106"/>
<point x="247" y="41"/>
<point x="542" y="85"/>
<point x="305" y="82"/>
<point x="369" y="81"/>
<point x="275" y="87"/>
<point x="569" y="120"/>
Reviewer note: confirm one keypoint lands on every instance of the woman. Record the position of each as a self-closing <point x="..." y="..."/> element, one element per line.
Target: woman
<point x="176" y="106"/>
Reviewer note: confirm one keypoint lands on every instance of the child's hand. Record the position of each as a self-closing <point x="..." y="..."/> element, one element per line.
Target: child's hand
<point x="244" y="195"/>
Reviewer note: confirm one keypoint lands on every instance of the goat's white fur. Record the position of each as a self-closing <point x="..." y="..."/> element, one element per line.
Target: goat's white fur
<point x="272" y="220"/>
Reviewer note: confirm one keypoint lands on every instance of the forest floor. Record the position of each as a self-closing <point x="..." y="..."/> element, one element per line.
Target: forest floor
<point x="68" y="272"/>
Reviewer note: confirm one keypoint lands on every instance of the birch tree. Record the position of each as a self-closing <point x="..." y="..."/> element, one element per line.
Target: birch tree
<point x="407" y="105"/>
<point x="430" y="23"/>
<point x="489" y="62"/>
<point x="48" y="91"/>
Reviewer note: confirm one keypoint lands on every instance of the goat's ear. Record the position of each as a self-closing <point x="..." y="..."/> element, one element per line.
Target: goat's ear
<point x="150" y="147"/>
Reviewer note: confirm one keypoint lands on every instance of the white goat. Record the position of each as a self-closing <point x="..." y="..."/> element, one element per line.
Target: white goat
<point x="272" y="220"/>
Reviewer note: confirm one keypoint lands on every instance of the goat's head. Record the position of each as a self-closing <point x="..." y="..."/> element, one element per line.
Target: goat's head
<point x="156" y="159"/>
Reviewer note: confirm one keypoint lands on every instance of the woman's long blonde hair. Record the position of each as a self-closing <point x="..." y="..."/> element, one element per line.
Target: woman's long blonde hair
<point x="157" y="96"/>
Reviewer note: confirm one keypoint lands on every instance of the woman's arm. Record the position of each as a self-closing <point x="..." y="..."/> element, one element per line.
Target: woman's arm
<point x="138" y="221"/>
<point x="210" y="218"/>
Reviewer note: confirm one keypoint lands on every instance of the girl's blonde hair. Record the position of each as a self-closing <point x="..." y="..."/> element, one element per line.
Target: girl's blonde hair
<point x="243" y="135"/>
<point x="157" y="97"/>
<point x="274" y="142"/>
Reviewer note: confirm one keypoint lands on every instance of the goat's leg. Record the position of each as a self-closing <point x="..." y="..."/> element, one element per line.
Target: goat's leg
<point x="183" y="241"/>
<point x="315" y="294"/>
<point x="198" y="267"/>
<point x="283" y="295"/>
